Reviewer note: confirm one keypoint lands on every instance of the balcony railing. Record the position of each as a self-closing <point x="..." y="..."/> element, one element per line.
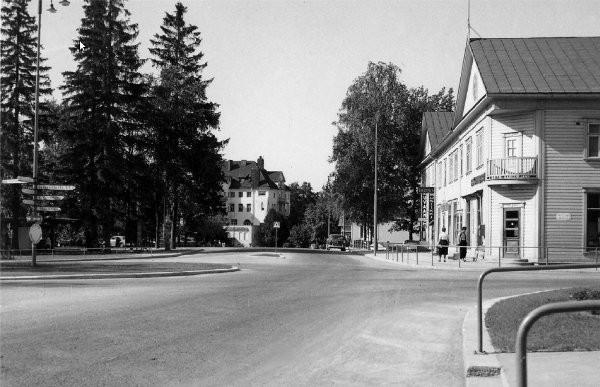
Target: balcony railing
<point x="512" y="168"/>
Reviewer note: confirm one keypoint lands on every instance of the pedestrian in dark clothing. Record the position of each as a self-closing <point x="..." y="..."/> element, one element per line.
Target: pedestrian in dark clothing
<point x="462" y="242"/>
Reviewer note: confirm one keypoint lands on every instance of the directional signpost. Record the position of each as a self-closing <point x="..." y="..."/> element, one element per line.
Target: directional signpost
<point x="276" y="226"/>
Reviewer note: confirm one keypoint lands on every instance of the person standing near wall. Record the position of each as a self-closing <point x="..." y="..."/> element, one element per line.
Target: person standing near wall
<point x="443" y="245"/>
<point x="462" y="242"/>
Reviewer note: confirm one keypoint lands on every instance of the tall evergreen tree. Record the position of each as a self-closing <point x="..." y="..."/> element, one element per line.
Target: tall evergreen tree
<point x="186" y="152"/>
<point x="18" y="50"/>
<point x="103" y="128"/>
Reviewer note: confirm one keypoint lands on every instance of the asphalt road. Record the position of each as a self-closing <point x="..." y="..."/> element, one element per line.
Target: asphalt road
<point x="293" y="319"/>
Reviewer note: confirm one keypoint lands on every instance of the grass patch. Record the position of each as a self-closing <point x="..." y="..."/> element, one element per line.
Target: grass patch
<point x="482" y="371"/>
<point x="578" y="331"/>
<point x="82" y="267"/>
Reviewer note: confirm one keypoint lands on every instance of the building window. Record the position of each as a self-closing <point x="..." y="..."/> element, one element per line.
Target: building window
<point x="261" y="193"/>
<point x="240" y="194"/>
<point x="232" y="208"/>
<point x="248" y="207"/>
<point x="247" y="222"/>
<point x="445" y="172"/>
<point x="468" y="150"/>
<point x="262" y="206"/>
<point x="456" y="165"/>
<point x="240" y="207"/>
<point x="451" y="168"/>
<point x="593" y="221"/>
<point x="460" y="157"/>
<point x="248" y="194"/>
<point x="231" y="194"/>
<point x="233" y="222"/>
<point x="479" y="148"/>
<point x="593" y="139"/>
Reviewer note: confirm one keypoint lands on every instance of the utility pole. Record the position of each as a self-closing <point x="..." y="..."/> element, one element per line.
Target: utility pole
<point x="375" y="193"/>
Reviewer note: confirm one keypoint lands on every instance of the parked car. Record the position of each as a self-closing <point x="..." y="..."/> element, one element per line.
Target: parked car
<point x="336" y="241"/>
<point x="117" y="241"/>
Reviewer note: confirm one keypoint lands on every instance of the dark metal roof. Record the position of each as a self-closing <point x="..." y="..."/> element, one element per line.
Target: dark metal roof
<point x="240" y="175"/>
<point x="538" y="65"/>
<point x="438" y="125"/>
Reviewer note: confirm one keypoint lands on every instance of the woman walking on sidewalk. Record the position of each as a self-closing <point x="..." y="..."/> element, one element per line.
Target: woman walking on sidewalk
<point x="462" y="242"/>
<point x="443" y="245"/>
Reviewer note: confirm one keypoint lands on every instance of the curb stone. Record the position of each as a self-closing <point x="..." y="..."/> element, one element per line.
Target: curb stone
<point x="121" y="275"/>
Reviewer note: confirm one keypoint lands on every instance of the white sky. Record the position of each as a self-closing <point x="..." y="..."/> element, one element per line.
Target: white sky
<point x="281" y="68"/>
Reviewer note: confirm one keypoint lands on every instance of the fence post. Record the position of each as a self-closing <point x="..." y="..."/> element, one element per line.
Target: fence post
<point x="402" y="252"/>
<point x="417" y="250"/>
<point x="397" y="247"/>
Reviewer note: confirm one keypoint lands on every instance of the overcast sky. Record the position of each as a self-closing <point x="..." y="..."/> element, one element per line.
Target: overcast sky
<point x="282" y="67"/>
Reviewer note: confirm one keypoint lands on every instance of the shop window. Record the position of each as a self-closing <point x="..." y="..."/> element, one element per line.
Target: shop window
<point x="593" y="221"/>
<point x="593" y="140"/>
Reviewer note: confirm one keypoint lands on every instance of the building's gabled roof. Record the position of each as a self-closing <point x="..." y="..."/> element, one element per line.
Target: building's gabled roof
<point x="538" y="65"/>
<point x="437" y="125"/>
<point x="239" y="173"/>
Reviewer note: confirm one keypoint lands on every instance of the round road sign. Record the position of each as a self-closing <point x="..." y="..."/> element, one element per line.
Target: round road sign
<point x="35" y="233"/>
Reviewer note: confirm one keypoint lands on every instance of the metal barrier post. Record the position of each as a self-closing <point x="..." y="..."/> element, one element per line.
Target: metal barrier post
<point x="546" y="248"/>
<point x="505" y="269"/>
<point x="397" y="247"/>
<point x="458" y="258"/>
<point x="531" y="318"/>
<point x="432" y="256"/>
<point x="499" y="254"/>
<point x="417" y="251"/>
<point x="402" y="251"/>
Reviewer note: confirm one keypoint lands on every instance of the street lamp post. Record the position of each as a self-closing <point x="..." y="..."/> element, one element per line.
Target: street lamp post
<point x="36" y="116"/>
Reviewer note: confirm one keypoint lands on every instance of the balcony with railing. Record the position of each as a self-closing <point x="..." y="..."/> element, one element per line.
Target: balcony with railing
<point x="512" y="170"/>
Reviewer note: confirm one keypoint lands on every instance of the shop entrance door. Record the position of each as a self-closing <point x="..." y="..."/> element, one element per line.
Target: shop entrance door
<point x="512" y="222"/>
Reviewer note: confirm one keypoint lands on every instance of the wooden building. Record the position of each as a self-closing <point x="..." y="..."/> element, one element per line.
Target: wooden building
<point x="518" y="162"/>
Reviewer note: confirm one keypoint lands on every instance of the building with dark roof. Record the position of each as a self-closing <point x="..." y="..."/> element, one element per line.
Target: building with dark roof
<point x="521" y="148"/>
<point x="251" y="191"/>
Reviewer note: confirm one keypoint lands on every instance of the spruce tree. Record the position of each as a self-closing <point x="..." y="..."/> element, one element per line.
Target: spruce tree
<point x="186" y="150"/>
<point x="103" y="128"/>
<point x="18" y="50"/>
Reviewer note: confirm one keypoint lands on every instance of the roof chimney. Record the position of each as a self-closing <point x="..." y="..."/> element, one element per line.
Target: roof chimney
<point x="255" y="176"/>
<point x="261" y="162"/>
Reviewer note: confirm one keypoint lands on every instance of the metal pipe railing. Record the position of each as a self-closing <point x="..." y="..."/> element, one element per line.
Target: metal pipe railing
<point x="506" y="269"/>
<point x="531" y="318"/>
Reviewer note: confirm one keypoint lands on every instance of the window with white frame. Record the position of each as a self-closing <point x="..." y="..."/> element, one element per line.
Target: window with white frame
<point x="461" y="158"/>
<point x="468" y="151"/>
<point x="593" y="139"/>
<point x="479" y="148"/>
<point x="512" y="145"/>
<point x="456" y="165"/>
<point x="451" y="168"/>
<point x="445" y="171"/>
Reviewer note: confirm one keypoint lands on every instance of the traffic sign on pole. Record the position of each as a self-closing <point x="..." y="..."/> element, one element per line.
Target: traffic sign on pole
<point x="50" y="197"/>
<point x="276" y="225"/>
<point x="48" y="209"/>
<point x="56" y="187"/>
<point x="35" y="233"/>
<point x="25" y="179"/>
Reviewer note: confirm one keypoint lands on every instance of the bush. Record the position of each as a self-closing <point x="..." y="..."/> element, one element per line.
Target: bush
<point x="300" y="235"/>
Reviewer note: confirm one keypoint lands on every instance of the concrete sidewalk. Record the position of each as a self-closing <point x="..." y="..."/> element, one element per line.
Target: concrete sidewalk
<point x="543" y="368"/>
<point x="499" y="369"/>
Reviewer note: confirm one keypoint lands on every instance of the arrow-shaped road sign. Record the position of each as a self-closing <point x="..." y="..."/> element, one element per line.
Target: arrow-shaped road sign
<point x="25" y="179"/>
<point x="49" y="197"/>
<point x="56" y="187"/>
<point x="12" y="181"/>
<point x="49" y="209"/>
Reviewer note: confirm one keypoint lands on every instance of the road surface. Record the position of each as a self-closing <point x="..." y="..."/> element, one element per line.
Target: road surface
<point x="289" y="319"/>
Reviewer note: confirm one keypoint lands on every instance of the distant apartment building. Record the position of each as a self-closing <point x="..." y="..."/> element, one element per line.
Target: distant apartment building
<point x="518" y="162"/>
<point x="251" y="191"/>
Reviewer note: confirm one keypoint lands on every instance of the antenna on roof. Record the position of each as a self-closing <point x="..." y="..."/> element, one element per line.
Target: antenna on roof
<point x="469" y="27"/>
